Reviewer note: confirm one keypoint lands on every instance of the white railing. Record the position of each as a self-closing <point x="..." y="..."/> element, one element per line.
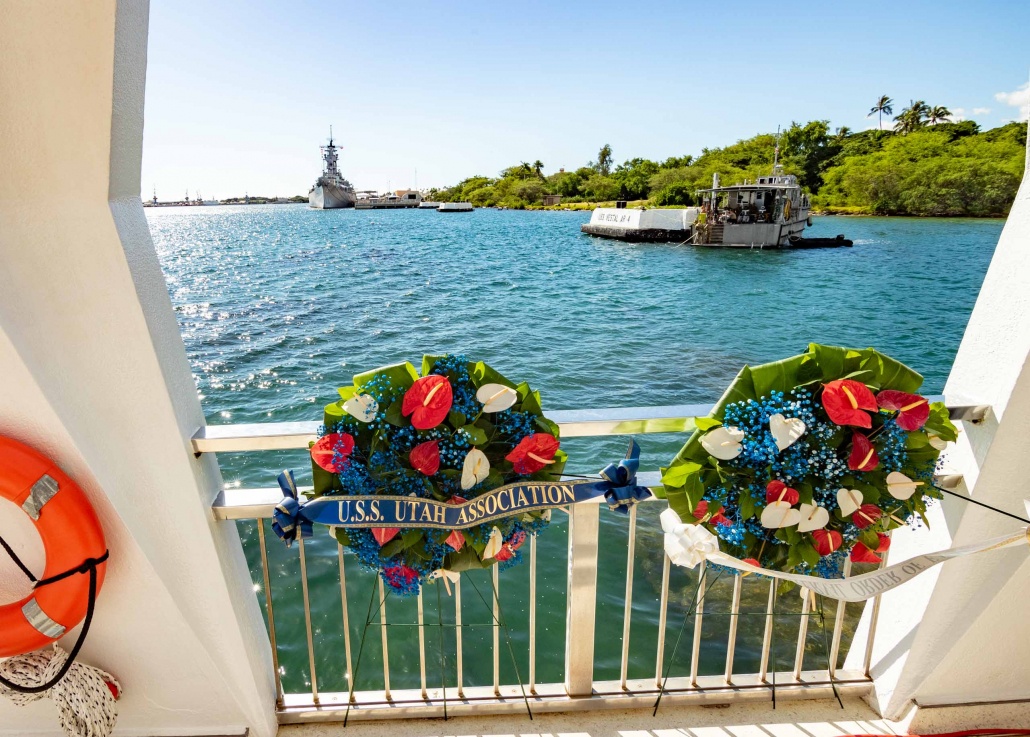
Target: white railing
<point x="580" y="689"/>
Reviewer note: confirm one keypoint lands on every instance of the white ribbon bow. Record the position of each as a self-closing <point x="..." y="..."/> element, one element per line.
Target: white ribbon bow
<point x="687" y="545"/>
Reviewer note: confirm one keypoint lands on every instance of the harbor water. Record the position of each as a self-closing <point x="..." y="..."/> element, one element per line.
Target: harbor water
<point x="280" y="305"/>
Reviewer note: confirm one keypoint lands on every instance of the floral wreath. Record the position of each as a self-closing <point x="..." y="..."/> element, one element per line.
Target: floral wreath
<point x="813" y="459"/>
<point x="455" y="432"/>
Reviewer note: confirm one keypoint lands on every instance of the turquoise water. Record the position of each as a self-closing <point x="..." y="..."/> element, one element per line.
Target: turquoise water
<point x="279" y="305"/>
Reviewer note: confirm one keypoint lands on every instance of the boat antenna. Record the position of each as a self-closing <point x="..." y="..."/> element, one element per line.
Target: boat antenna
<point x="776" y="151"/>
<point x="330" y="134"/>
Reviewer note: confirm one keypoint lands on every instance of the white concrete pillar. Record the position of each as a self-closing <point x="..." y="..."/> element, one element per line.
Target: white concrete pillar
<point x="93" y="373"/>
<point x="960" y="635"/>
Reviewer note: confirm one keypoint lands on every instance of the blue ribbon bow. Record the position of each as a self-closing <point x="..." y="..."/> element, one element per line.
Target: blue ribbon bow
<point x="288" y="516"/>
<point x="620" y="482"/>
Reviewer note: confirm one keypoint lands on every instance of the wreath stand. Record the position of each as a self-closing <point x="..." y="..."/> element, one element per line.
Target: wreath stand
<point x="497" y="620"/>
<point x="692" y="610"/>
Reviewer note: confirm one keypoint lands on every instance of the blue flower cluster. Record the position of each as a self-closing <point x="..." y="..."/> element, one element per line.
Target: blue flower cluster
<point x="455" y="368"/>
<point x="513" y="425"/>
<point x="893" y="446"/>
<point x="808" y="456"/>
<point x="830" y="566"/>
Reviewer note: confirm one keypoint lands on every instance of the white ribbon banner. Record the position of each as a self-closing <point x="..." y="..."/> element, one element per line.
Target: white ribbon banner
<point x="689" y="545"/>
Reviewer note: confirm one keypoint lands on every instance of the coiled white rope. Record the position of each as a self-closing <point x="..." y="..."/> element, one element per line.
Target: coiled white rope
<point x="85" y="698"/>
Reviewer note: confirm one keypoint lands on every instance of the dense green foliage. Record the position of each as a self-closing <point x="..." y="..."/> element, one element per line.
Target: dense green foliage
<point x="922" y="167"/>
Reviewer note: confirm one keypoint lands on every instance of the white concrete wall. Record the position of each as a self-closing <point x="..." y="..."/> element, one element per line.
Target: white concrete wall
<point x="960" y="635"/>
<point x="94" y="374"/>
<point x="634" y="219"/>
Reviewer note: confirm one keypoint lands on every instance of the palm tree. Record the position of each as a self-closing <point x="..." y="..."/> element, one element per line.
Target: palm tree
<point x="538" y="167"/>
<point x="883" y="105"/>
<point x="938" y="114"/>
<point x="525" y="170"/>
<point x="913" y="117"/>
<point x="842" y="133"/>
<point x="604" y="160"/>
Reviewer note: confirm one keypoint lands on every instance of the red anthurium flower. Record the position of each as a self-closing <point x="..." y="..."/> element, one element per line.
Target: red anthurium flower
<point x="866" y="515"/>
<point x="720" y="519"/>
<point x="827" y="541"/>
<point x="533" y="453"/>
<point x="425" y="457"/>
<point x="428" y="401"/>
<point x="861" y="554"/>
<point x="331" y="451"/>
<point x="384" y="535"/>
<point x="717" y="517"/>
<point x="753" y="561"/>
<point x="849" y="402"/>
<point x="863" y="455"/>
<point x="777" y="491"/>
<point x="885" y="542"/>
<point x="913" y="410"/>
<point x="456" y="540"/>
<point x="508" y="550"/>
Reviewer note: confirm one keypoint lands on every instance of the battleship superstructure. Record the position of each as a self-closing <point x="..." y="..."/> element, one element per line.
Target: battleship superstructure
<point x="331" y="190"/>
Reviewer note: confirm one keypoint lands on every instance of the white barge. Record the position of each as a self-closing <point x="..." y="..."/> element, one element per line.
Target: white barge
<point x="455" y="207"/>
<point x="642" y="225"/>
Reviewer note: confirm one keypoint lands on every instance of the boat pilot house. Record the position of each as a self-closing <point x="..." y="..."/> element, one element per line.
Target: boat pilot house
<point x="768" y="212"/>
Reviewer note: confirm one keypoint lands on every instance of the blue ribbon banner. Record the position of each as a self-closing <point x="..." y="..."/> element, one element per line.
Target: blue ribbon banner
<point x="291" y="516"/>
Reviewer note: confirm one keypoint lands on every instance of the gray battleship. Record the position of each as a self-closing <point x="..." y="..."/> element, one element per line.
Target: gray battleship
<point x="331" y="190"/>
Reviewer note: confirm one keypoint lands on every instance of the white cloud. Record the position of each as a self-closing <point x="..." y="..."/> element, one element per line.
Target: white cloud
<point x="1018" y="98"/>
<point x="981" y="111"/>
<point x="958" y="114"/>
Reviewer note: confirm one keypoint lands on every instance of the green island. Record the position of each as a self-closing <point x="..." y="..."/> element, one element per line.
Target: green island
<point x="926" y="165"/>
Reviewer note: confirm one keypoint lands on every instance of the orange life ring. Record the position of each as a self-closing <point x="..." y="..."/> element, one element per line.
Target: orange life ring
<point x="72" y="539"/>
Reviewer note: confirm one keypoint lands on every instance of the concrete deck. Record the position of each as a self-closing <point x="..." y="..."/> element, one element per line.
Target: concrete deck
<point x="790" y="719"/>
<point x="800" y="718"/>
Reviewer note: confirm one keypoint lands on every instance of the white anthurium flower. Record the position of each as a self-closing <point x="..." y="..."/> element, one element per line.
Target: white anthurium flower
<point x="494" y="544"/>
<point x="361" y="407"/>
<point x="448" y="577"/>
<point x="780" y="514"/>
<point x="849" y="500"/>
<point x="496" y="397"/>
<point x="900" y="486"/>
<point x="445" y="573"/>
<point x="786" y="430"/>
<point x="937" y="442"/>
<point x="723" y="442"/>
<point x="475" y="469"/>
<point x="813" y="517"/>
<point x="687" y="545"/>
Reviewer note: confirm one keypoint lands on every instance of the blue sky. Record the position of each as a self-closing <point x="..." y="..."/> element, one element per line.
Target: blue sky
<point x="241" y="94"/>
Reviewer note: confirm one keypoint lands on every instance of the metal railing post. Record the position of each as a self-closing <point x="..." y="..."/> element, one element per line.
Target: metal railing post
<point x="582" y="599"/>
